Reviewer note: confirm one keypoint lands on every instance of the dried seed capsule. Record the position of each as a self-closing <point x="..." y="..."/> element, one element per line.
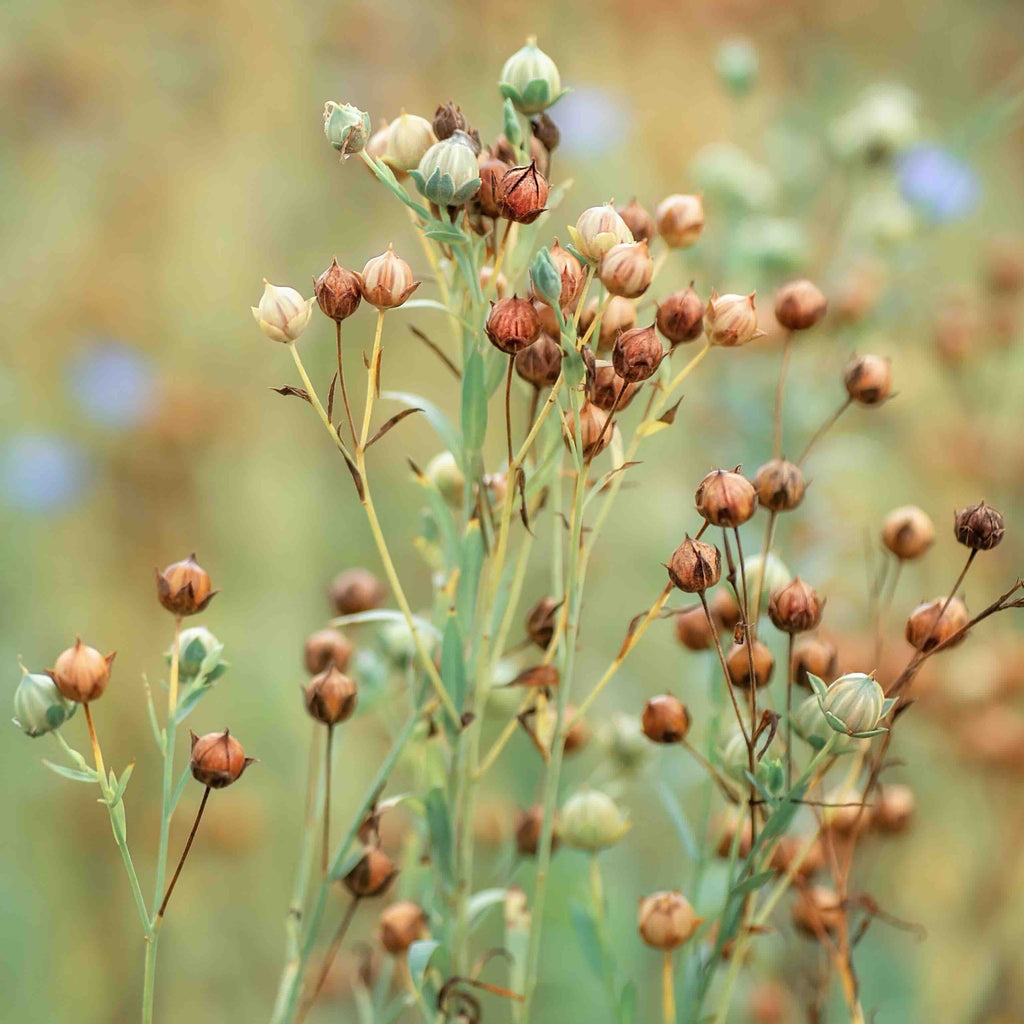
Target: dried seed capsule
<point x="595" y="432"/>
<point x="908" y="532"/>
<point x="448" y="119"/>
<point x="731" y="819"/>
<point x="217" y="759"/>
<point x="591" y="821"/>
<point x="522" y="193"/>
<point x="598" y="229"/>
<point x="608" y="390"/>
<point x="626" y="269"/>
<point x="401" y="925"/>
<point x="693" y="630"/>
<point x="81" y="673"/>
<point x="346" y="127"/>
<point x="572" y="276"/>
<point x="815" y="656"/>
<point x="538" y="677"/>
<point x="548" y="319"/>
<point x="326" y="647"/>
<point x="638" y="220"/>
<point x="540" y="364"/>
<point x="725" y="609"/>
<point x="408" y="139"/>
<point x="789" y="848"/>
<point x="637" y="354"/>
<point x="738" y="663"/>
<point x="546" y="132"/>
<point x="491" y="172"/>
<point x="893" y="809"/>
<point x="619" y="316"/>
<point x="577" y="736"/>
<point x="868" y="379"/>
<point x="356" y="590"/>
<point x="695" y="566"/>
<point x="726" y="498"/>
<point x="282" y="314"/>
<point x="386" y="281"/>
<point x="979" y="527"/>
<point x="847" y="816"/>
<point x="39" y="706"/>
<point x="817" y="911"/>
<point x="796" y="607"/>
<point x="512" y="325"/>
<point x="184" y="587"/>
<point x="667" y="920"/>
<point x="780" y="485"/>
<point x="528" y="828"/>
<point x="337" y="292"/>
<point x="330" y="696"/>
<point x="925" y="630"/>
<point x="680" y="220"/>
<point x="731" y="320"/>
<point x="799" y="305"/>
<point x="681" y="317"/>
<point x="540" y="621"/>
<point x="665" y="719"/>
<point x="374" y="872"/>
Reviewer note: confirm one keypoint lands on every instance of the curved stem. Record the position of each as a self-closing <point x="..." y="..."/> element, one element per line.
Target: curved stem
<point x="184" y="854"/>
<point x="328" y="961"/>
<point x="823" y="430"/>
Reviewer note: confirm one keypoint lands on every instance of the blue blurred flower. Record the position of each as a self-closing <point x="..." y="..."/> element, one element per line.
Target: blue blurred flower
<point x="592" y="120"/>
<point x="113" y="383"/>
<point x="41" y="472"/>
<point x="941" y="186"/>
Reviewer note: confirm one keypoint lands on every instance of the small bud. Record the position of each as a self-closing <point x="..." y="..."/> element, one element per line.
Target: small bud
<point x="571" y="273"/>
<point x="868" y="379"/>
<point x="184" y="587"/>
<point x="408" y="139"/>
<point x="598" y="229"/>
<point x="726" y="498"/>
<point x="522" y="193"/>
<point x="528" y="830"/>
<point x="780" y="485"/>
<point x="730" y="320"/>
<point x="448" y="119"/>
<point x="736" y="65"/>
<point x="540" y="364"/>
<point x="796" y="607"/>
<point x="530" y="79"/>
<point x="810" y="725"/>
<point x="512" y="325"/>
<point x="491" y="171"/>
<point x="799" y="305"/>
<point x="337" y="292"/>
<point x="374" y="872"/>
<point x="386" y="281"/>
<point x="326" y="648"/>
<point x="619" y="316"/>
<point x="608" y="390"/>
<point x="680" y="220"/>
<point x="546" y="286"/>
<point x="401" y="925"/>
<point x="217" y="759"/>
<point x="854" y="704"/>
<point x="814" y="656"/>
<point x="347" y="128"/>
<point x="693" y="630"/>
<point x="925" y="630"/>
<point x="695" y="566"/>
<point x="81" y="672"/>
<point x="637" y="354"/>
<point x="626" y="269"/>
<point x="282" y="313"/>
<point x="591" y="821"/>
<point x="665" y="719"/>
<point x="667" y="920"/>
<point x="979" y="527"/>
<point x="39" y="707"/>
<point x="893" y="810"/>
<point x="738" y="663"/>
<point x="908" y="532"/>
<point x="356" y="590"/>
<point x="199" y="652"/>
<point x="540" y="621"/>
<point x="638" y="220"/>
<point x="448" y="173"/>
<point x="444" y="473"/>
<point x="818" y="911"/>
<point x="594" y="429"/>
<point x="681" y="317"/>
<point x="330" y="696"/>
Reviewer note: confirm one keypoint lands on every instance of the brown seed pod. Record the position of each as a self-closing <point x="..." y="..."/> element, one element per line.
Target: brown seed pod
<point x="448" y="119"/>
<point x="337" y="292"/>
<point x="908" y="532"/>
<point x="330" y="696"/>
<point x="326" y="647"/>
<point x="816" y="656"/>
<point x="665" y="719"/>
<point x="979" y="527"/>
<point x="681" y="317"/>
<point x="619" y="316"/>
<point x="540" y="364"/>
<point x="726" y="498"/>
<point x="577" y="735"/>
<point x="538" y="677"/>
<point x="540" y="621"/>
<point x="608" y="390"/>
<point x="595" y="431"/>
<point x="818" y="910"/>
<point x="731" y="320"/>
<point x="356" y="590"/>
<point x="738" y="663"/>
<point x="925" y="630"/>
<point x="386" y="281"/>
<point x="81" y="673"/>
<point x="868" y="379"/>
<point x="512" y="325"/>
<point x="695" y="566"/>
<point x="692" y="629"/>
<point x="638" y="220"/>
<point x="522" y="193"/>
<point x="725" y="609"/>
<point x="893" y="809"/>
<point x="545" y="131"/>
<point x="666" y="920"/>
<point x="637" y="354"/>
<point x="796" y="607"/>
<point x="780" y="485"/>
<point x="799" y="305"/>
<point x="401" y="925"/>
<point x="374" y="872"/>
<point x="183" y="588"/>
<point x="680" y="220"/>
<point x="725" y="828"/>
<point x="217" y="759"/>
<point x="492" y="170"/>
<point x="528" y="828"/>
<point x="502" y="149"/>
<point x="789" y="848"/>
<point x="572" y="274"/>
<point x="626" y="269"/>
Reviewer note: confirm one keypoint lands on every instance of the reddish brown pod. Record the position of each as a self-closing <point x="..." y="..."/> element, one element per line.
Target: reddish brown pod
<point x="522" y="193"/>
<point x="665" y="719"/>
<point x="681" y="317"/>
<point x="184" y="588"/>
<point x="695" y="566"/>
<point x="81" y="673"/>
<point x="799" y="305"/>
<point x="326" y="647"/>
<point x="356" y="590"/>
<point x="725" y="498"/>
<point x="738" y="663"/>
<point x="513" y="325"/>
<point x="217" y="759"/>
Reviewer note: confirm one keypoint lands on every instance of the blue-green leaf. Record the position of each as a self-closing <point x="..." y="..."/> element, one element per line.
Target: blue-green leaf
<point x="474" y="402"/>
<point x="678" y="817"/>
<point x="586" y="932"/>
<point x="72" y="773"/>
<point x="439" y="825"/>
<point x="453" y="668"/>
<point x="420" y="955"/>
<point x="437" y="419"/>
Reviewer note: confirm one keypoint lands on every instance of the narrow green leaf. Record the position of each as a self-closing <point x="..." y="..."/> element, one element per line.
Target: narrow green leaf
<point x="469" y="575"/>
<point x="453" y="669"/>
<point x="438" y="420"/>
<point x="586" y="932"/>
<point x="439" y="826"/>
<point x="72" y="773"/>
<point x="627" y="1003"/>
<point x="474" y="402"/>
<point x="480" y="902"/>
<point x="678" y="818"/>
<point x="751" y="884"/>
<point x="121" y="784"/>
<point x="420" y="955"/>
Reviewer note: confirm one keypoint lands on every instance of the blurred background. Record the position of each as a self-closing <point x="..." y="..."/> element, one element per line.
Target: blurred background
<point x="160" y="160"/>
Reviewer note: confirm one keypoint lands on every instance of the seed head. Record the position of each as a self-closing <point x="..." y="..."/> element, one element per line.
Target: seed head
<point x="449" y="175"/>
<point x="591" y="821"/>
<point x="979" y="527"/>
<point x="619" y="316"/>
<point x="522" y="193"/>
<point x="513" y="324"/>
<point x="326" y="648"/>
<point x="796" y="607"/>
<point x="598" y="229"/>
<point x="665" y="719"/>
<point x="667" y="920"/>
<point x="356" y="590"/>
<point x="725" y="610"/>
<point x="695" y="566"/>
<point x="183" y="588"/>
<point x="541" y="620"/>
<point x="39" y="706"/>
<point x="638" y="220"/>
<point x="577" y="736"/>
<point x="374" y="872"/>
<point x="595" y="433"/>
<point x="908" y="532"/>
<point x="893" y="809"/>
<point x="680" y="220"/>
<point x="607" y="388"/>
<point x="283" y="313"/>
<point x="492" y="170"/>
<point x="868" y="379"/>
<point x="546" y="132"/>
<point x="925" y="630"/>
<point x="799" y="305"/>
<point x="789" y="848"/>
<point x="408" y="139"/>
<point x="337" y="292"/>
<point x="818" y="910"/>
<point x="681" y="317"/>
<point x="530" y="79"/>
<point x="571" y="273"/>
<point x="637" y="354"/>
<point x="217" y="759"/>
<point x="386" y="281"/>
<point x="330" y="696"/>
<point x="448" y="119"/>
<point x="626" y="269"/>
<point x="540" y="364"/>
<point x="444" y="473"/>
<point x="693" y="630"/>
<point x="731" y="320"/>
<point x="401" y="925"/>
<point x="816" y="656"/>
<point x="346" y="127"/>
<point x="81" y="673"/>
<point x="738" y="663"/>
<point x="528" y="827"/>
<point x="854" y="704"/>
<point x="726" y="498"/>
<point x="780" y="485"/>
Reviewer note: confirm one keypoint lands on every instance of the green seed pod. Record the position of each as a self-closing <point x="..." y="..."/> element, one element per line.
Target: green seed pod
<point x="199" y="651"/>
<point x="448" y="173"/>
<point x="736" y="64"/>
<point x="854" y="704"/>
<point x="623" y="740"/>
<point x="444" y="473"/>
<point x="39" y="707"/>
<point x="810" y="725"/>
<point x="591" y="821"/>
<point x="347" y="128"/>
<point x="547" y="281"/>
<point x="530" y="79"/>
